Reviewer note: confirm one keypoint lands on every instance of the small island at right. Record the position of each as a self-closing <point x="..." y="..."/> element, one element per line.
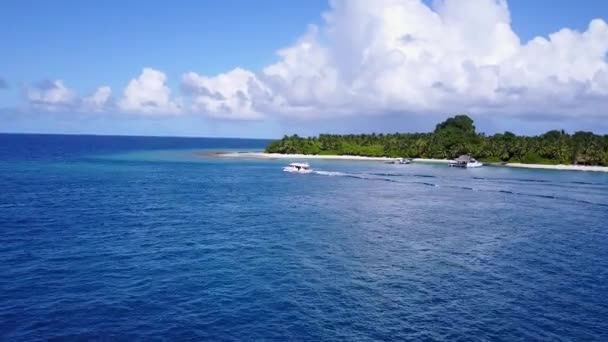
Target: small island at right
<point x="457" y="136"/>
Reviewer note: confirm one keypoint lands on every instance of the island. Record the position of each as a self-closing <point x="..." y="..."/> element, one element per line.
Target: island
<point x="457" y="136"/>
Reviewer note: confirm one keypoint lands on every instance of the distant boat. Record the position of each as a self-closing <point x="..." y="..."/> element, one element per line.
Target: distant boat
<point x="399" y="161"/>
<point x="465" y="161"/>
<point x="298" y="168"/>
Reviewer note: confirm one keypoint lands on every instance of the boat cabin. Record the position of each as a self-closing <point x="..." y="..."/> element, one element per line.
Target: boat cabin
<point x="465" y="160"/>
<point x="399" y="161"/>
<point x="300" y="166"/>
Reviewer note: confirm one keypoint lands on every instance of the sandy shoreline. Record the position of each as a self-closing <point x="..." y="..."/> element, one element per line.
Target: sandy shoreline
<point x="262" y="155"/>
<point x="559" y="167"/>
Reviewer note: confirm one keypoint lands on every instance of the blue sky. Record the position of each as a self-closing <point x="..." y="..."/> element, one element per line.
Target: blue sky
<point x="110" y="41"/>
<point x="87" y="45"/>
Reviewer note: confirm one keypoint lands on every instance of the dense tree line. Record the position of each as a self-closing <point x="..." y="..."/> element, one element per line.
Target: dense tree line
<point x="454" y="137"/>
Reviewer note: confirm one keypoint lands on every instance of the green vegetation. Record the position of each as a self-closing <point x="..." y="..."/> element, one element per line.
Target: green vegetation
<point x="454" y="137"/>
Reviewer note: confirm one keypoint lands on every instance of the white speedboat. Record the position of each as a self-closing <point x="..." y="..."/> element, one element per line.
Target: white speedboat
<point x="298" y="167"/>
<point x="399" y="161"/>
<point x="465" y="161"/>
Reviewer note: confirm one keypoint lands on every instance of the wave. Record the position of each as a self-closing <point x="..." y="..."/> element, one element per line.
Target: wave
<point x="460" y="187"/>
<point x="352" y="175"/>
<point x="551" y="183"/>
<point x="329" y="173"/>
<point x="543" y="196"/>
<point x="567" y="199"/>
<point x="425" y="176"/>
<point x="593" y="203"/>
<point x="371" y="176"/>
<point x="391" y="177"/>
<point x="425" y="183"/>
<point x="387" y="174"/>
<point x="526" y="194"/>
<point x="385" y="177"/>
<point x="587" y="183"/>
<point x="399" y="175"/>
<point x="527" y="180"/>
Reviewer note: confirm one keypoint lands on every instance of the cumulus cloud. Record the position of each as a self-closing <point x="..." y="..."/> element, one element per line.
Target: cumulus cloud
<point x="228" y="96"/>
<point x="397" y="56"/>
<point x="98" y="101"/>
<point x="405" y="56"/>
<point x="149" y="94"/>
<point x="55" y="96"/>
<point x="51" y="95"/>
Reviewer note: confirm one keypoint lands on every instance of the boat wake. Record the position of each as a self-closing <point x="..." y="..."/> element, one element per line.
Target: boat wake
<point x="391" y="178"/>
<point x="425" y="183"/>
<point x="329" y="173"/>
<point x="371" y="177"/>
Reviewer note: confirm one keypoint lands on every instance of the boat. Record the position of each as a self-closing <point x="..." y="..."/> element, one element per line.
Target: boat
<point x="465" y="161"/>
<point x="399" y="161"/>
<point x="298" y="167"/>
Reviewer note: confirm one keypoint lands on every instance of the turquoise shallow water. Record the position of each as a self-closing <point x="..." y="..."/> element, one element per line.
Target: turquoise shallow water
<point x="119" y="238"/>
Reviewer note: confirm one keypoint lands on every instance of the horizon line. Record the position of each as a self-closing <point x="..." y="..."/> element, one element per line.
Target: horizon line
<point x="134" y="135"/>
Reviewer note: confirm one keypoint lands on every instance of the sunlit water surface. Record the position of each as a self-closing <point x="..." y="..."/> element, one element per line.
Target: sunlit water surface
<point x="121" y="238"/>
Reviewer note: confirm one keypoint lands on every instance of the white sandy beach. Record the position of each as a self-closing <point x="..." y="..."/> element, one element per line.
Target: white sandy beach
<point x="317" y="156"/>
<point x="428" y="160"/>
<point x="559" y="167"/>
<point x="417" y="160"/>
<point x="298" y="156"/>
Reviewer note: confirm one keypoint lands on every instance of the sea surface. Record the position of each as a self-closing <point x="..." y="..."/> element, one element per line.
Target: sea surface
<point x="131" y="238"/>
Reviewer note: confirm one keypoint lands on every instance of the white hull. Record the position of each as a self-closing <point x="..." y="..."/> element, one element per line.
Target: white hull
<point x="467" y="165"/>
<point x="399" y="161"/>
<point x="296" y="170"/>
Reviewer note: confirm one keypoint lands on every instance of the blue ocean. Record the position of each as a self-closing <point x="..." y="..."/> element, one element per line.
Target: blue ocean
<point x="146" y="238"/>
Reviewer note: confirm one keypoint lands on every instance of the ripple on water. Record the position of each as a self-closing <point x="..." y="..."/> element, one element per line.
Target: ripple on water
<point x="238" y="250"/>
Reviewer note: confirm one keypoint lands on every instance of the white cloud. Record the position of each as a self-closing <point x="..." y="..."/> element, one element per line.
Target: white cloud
<point x="394" y="56"/>
<point x="149" y="94"/>
<point x="56" y="96"/>
<point x="228" y="95"/>
<point x="402" y="55"/>
<point x="51" y="95"/>
<point x="99" y="101"/>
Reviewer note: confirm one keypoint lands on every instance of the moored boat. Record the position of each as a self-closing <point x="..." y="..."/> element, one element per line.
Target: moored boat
<point x="465" y="161"/>
<point x="399" y="161"/>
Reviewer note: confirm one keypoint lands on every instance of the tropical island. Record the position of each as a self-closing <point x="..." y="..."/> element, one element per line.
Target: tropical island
<point x="454" y="137"/>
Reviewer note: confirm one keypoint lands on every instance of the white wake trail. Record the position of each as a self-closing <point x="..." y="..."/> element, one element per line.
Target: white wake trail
<point x="329" y="173"/>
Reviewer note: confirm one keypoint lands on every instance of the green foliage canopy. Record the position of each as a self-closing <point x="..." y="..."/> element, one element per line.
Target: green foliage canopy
<point x="453" y="137"/>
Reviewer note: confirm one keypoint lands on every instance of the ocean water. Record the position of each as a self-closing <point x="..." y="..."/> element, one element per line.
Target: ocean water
<point x="125" y="238"/>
